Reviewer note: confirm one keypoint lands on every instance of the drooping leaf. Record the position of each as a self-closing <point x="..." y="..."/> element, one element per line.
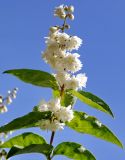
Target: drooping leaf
<point x="73" y="150"/>
<point x="26" y="121"/>
<point x="35" y="77"/>
<point x="45" y="149"/>
<point x="90" y="125"/>
<point x="23" y="140"/>
<point x="92" y="101"/>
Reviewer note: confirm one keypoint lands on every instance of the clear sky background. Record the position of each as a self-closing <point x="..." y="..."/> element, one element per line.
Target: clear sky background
<point x="101" y="24"/>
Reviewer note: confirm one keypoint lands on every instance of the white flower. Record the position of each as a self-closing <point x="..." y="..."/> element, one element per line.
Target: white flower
<point x="42" y="107"/>
<point x="65" y="114"/>
<point x="76" y="82"/>
<point x="51" y="125"/>
<point x="56" y="125"/>
<point x="62" y="78"/>
<point x="60" y="12"/>
<point x="81" y="149"/>
<point x="62" y="39"/>
<point x="72" y="63"/>
<point x="82" y="79"/>
<point x="74" y="42"/>
<point x="54" y="104"/>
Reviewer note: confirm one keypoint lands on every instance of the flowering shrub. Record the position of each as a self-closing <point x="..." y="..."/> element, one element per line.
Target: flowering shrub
<point x="67" y="87"/>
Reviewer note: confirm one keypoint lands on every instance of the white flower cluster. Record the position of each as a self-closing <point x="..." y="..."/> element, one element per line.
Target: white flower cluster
<point x="60" y="56"/>
<point x="60" y="115"/>
<point x="7" y="100"/>
<point x="64" y="11"/>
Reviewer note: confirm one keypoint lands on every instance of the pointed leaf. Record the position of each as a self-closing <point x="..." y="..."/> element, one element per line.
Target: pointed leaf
<point x="92" y="101"/>
<point x="73" y="150"/>
<point x="26" y="121"/>
<point x="90" y="125"/>
<point x="45" y="149"/>
<point x="23" y="140"/>
<point x="35" y="77"/>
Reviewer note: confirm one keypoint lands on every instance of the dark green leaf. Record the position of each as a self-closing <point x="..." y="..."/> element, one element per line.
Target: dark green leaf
<point x="26" y="121"/>
<point x="92" y="101"/>
<point x="73" y="150"/>
<point x="35" y="77"/>
<point x="45" y="149"/>
<point x="23" y="140"/>
<point x="90" y="125"/>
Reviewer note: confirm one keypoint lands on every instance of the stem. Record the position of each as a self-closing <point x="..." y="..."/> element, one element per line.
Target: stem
<point x="63" y="27"/>
<point x="52" y="137"/>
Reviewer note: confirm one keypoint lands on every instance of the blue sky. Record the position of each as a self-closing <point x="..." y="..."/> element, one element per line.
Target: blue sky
<point x="101" y="25"/>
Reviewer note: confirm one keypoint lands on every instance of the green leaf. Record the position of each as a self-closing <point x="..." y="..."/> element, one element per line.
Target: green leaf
<point x="73" y="150"/>
<point x="45" y="149"/>
<point x="23" y="140"/>
<point x="92" y="101"/>
<point x="67" y="98"/>
<point x="90" y="125"/>
<point x="35" y="77"/>
<point x="26" y="121"/>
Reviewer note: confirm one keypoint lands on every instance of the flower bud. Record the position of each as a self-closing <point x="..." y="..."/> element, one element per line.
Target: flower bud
<point x="62" y="16"/>
<point x="4" y="109"/>
<point x="71" y="9"/>
<point x="1" y="99"/>
<point x="67" y="26"/>
<point x="66" y="8"/>
<point x="9" y="100"/>
<point x="53" y="29"/>
<point x="71" y="16"/>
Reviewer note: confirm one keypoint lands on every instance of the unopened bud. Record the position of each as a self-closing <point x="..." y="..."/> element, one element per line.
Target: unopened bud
<point x="4" y="109"/>
<point x="53" y="29"/>
<point x="13" y="95"/>
<point x="67" y="26"/>
<point x="9" y="100"/>
<point x="16" y="89"/>
<point x="66" y="8"/>
<point x="1" y="99"/>
<point x="62" y="16"/>
<point x="71" y="9"/>
<point x="71" y="16"/>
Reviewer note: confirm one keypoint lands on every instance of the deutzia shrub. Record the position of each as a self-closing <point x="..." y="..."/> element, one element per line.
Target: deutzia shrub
<point x="67" y="86"/>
